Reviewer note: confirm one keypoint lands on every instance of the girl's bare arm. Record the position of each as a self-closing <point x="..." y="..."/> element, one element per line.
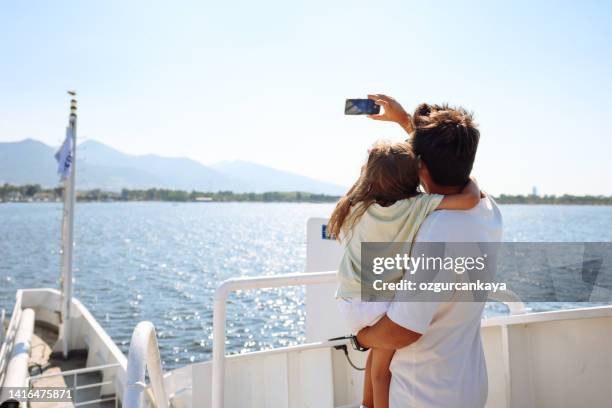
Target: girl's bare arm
<point x="468" y="198"/>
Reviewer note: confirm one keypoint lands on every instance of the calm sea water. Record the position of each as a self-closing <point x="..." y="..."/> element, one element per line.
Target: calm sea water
<point x="162" y="262"/>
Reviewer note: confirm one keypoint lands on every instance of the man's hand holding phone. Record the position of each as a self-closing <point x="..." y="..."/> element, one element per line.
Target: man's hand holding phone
<point x="393" y="112"/>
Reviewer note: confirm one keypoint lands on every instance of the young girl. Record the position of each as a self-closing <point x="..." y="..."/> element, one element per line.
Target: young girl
<point x="384" y="205"/>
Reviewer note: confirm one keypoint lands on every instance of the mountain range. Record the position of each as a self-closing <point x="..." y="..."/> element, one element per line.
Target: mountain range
<point x="101" y="166"/>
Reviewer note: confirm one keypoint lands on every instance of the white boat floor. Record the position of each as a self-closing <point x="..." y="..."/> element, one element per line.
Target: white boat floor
<point x="43" y="360"/>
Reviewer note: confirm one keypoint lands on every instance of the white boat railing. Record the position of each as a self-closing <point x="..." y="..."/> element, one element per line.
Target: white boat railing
<point x="144" y="355"/>
<point x="76" y="387"/>
<point x="219" y="313"/>
<point x="9" y="337"/>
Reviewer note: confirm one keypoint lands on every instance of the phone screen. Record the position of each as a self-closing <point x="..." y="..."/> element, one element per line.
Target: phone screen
<point x="361" y="107"/>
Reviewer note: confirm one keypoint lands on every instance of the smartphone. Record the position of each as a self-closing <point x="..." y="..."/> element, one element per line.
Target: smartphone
<point x="361" y="107"/>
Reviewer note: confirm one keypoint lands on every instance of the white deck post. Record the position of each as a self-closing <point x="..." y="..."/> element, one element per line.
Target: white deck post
<point x="218" y="351"/>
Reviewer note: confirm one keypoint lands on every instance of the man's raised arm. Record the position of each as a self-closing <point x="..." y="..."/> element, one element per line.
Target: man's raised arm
<point x="386" y="334"/>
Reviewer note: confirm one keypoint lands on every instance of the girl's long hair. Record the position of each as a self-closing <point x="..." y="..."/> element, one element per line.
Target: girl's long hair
<point x="389" y="175"/>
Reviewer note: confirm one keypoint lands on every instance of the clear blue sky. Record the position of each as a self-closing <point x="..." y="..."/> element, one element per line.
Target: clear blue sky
<point x="266" y="81"/>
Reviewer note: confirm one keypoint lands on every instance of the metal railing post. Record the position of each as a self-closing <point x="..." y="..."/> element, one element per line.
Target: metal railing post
<point x="218" y="351"/>
<point x="74" y="374"/>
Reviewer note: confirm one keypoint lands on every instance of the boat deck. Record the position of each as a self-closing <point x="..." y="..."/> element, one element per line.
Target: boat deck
<point x="44" y="361"/>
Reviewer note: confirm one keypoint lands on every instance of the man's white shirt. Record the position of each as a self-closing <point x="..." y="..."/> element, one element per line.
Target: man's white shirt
<point x="446" y="366"/>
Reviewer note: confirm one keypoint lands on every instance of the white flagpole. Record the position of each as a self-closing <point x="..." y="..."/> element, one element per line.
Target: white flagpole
<point x="68" y="230"/>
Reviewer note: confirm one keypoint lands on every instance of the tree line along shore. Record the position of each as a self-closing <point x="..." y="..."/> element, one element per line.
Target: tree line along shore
<point x="36" y="193"/>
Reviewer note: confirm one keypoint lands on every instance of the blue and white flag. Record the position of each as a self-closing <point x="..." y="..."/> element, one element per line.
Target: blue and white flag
<point x="64" y="156"/>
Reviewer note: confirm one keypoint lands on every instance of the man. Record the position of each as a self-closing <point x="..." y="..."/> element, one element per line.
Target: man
<point x="439" y="360"/>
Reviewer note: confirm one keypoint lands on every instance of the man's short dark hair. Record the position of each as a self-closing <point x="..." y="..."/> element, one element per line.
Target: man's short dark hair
<point x="446" y="139"/>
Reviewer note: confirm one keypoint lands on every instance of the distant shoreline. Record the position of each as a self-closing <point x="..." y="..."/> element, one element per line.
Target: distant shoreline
<point x="35" y="193"/>
<point x="554" y="200"/>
